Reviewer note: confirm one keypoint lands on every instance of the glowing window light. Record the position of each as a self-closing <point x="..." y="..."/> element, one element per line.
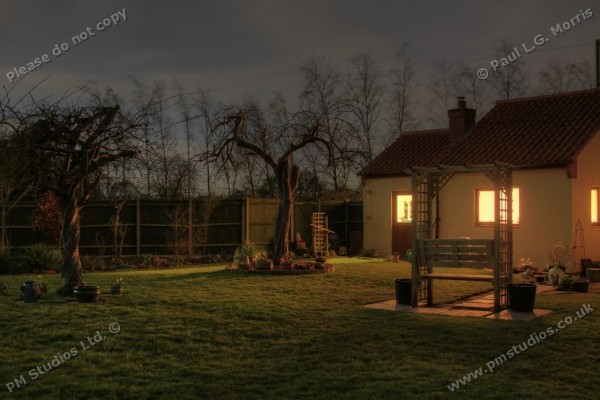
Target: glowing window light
<point x="403" y="208"/>
<point x="486" y="209"/>
<point x="594" y="208"/>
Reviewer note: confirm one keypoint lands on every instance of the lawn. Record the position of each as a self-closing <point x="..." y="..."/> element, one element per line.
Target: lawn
<point x="202" y="332"/>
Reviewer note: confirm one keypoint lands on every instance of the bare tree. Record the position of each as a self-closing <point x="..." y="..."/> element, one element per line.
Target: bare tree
<point x="81" y="139"/>
<point x="185" y="109"/>
<point x="205" y="212"/>
<point x="207" y="110"/>
<point x="364" y="92"/>
<point x="402" y="95"/>
<point x="15" y="185"/>
<point x="476" y="91"/>
<point x="286" y="137"/>
<point x="440" y="87"/>
<point x="322" y="96"/>
<point x="561" y="77"/>
<point x="178" y="234"/>
<point x="120" y="193"/>
<point x="582" y="74"/>
<point x="510" y="80"/>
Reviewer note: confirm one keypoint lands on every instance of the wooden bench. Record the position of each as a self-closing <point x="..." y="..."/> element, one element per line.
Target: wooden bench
<point x="452" y="253"/>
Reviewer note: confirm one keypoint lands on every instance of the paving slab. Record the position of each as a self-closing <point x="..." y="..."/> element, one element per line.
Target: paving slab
<point x="509" y="315"/>
<point x="478" y="306"/>
<point x="506" y="315"/>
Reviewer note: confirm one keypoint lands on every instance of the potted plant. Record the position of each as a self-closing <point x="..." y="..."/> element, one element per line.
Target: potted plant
<point x="87" y="293"/>
<point x="558" y="255"/>
<point x="581" y="285"/>
<point x="262" y="264"/>
<point x="117" y="286"/>
<point x="403" y="291"/>
<point x="247" y="253"/>
<point x="286" y="263"/>
<point x="42" y="285"/>
<point x="319" y="262"/>
<point x="522" y="296"/>
<point x="566" y="283"/>
<point x="31" y="291"/>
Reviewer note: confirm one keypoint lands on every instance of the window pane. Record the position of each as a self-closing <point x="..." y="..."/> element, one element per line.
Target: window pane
<point x="515" y="203"/>
<point x="485" y="204"/>
<point x="595" y="206"/>
<point x="404" y="208"/>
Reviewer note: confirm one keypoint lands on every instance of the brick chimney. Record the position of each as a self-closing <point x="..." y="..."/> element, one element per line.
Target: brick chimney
<point x="460" y="121"/>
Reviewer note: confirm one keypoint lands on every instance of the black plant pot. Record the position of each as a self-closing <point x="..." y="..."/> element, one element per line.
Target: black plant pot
<point x="565" y="287"/>
<point x="87" y="294"/>
<point x="116" y="290"/>
<point x="31" y="291"/>
<point x="521" y="296"/>
<point x="581" y="286"/>
<point x="403" y="291"/>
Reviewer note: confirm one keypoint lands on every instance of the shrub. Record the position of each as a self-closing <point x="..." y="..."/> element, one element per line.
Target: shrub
<point x="9" y="262"/>
<point x="152" y="261"/>
<point x="92" y="263"/>
<point x="40" y="257"/>
<point x="5" y="259"/>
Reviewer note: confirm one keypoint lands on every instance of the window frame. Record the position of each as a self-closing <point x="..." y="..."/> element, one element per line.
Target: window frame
<point x="597" y="222"/>
<point x="486" y="223"/>
<point x="395" y="207"/>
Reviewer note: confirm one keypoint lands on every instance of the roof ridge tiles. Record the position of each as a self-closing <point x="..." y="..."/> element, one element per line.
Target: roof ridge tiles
<point x="547" y="96"/>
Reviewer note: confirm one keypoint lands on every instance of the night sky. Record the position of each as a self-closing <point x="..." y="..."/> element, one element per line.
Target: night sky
<point x="253" y="48"/>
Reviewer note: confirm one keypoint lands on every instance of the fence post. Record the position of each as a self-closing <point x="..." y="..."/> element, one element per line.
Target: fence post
<point x="245" y="218"/>
<point x="190" y="227"/>
<point x="138" y="228"/>
<point x="346" y="223"/>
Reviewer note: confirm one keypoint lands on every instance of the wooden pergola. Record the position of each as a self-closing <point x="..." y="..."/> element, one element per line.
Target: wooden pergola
<point x="426" y="186"/>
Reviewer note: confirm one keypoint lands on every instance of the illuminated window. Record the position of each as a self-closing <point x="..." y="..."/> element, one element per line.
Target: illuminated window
<point x="594" y="207"/>
<point x="485" y="212"/>
<point x="403" y="208"/>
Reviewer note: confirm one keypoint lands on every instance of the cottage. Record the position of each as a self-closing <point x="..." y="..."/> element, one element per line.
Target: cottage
<point x="553" y="142"/>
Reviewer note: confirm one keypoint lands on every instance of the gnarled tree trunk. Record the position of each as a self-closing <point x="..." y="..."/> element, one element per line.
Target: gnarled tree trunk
<point x="70" y="233"/>
<point x="288" y="176"/>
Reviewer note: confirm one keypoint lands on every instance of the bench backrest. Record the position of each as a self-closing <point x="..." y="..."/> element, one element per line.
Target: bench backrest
<point x="460" y="253"/>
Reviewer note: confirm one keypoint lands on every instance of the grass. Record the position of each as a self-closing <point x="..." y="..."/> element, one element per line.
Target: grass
<point x="203" y="332"/>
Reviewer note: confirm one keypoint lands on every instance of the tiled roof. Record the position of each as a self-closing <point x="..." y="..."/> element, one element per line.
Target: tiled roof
<point x="535" y="131"/>
<point x="417" y="148"/>
<point x="526" y="132"/>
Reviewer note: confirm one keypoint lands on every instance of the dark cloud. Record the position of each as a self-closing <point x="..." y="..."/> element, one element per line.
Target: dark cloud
<point x="257" y="46"/>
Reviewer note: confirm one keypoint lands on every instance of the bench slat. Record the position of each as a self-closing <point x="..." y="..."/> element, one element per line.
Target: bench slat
<point x="456" y="253"/>
<point x="460" y="277"/>
<point x="453" y="253"/>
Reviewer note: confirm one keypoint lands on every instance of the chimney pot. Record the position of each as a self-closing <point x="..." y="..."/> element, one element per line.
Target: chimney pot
<point x="460" y="121"/>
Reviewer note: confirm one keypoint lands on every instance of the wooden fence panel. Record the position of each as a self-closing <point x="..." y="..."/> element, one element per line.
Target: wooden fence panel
<point x="150" y="224"/>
